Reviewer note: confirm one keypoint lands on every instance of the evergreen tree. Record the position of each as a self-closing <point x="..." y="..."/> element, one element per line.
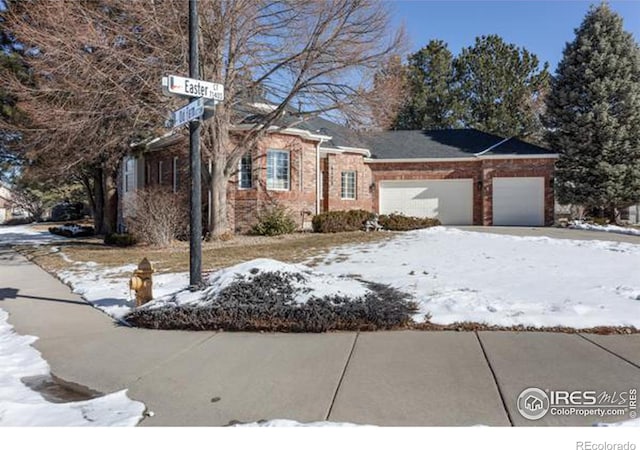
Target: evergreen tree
<point x="11" y="60"/>
<point x="501" y="86"/>
<point x="593" y="114"/>
<point x="431" y="100"/>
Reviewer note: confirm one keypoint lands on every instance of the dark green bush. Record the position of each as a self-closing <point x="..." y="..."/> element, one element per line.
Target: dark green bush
<point x="268" y="303"/>
<point x="399" y="222"/>
<point x="337" y="221"/>
<point x="602" y="221"/>
<point x="72" y="230"/>
<point x="273" y="222"/>
<point x="120" y="239"/>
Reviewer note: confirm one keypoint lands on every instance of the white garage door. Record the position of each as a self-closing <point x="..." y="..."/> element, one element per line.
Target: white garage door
<point x="450" y="201"/>
<point x="518" y="201"/>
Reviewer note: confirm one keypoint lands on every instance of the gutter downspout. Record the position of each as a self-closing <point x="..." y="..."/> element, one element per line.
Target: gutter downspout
<point x="318" y="174"/>
<point x="209" y="199"/>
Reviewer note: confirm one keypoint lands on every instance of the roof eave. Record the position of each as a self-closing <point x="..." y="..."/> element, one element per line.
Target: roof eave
<point x="289" y="131"/>
<point x="456" y="159"/>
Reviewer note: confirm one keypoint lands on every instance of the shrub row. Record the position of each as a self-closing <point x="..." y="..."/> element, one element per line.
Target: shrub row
<point x="399" y="222"/>
<point x="338" y="221"/>
<point x="72" y="230"/>
<point x="358" y="219"/>
<point x="268" y="303"/>
<point x="273" y="222"/>
<point x="120" y="239"/>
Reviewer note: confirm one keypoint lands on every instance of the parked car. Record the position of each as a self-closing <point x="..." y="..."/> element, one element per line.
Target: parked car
<point x="67" y="211"/>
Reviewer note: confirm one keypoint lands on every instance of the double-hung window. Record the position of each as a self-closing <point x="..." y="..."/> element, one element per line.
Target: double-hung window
<point x="278" y="173"/>
<point x="129" y="174"/>
<point x="245" y="172"/>
<point x="348" y="185"/>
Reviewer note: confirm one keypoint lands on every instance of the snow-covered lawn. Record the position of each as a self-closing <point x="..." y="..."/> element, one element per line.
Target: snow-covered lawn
<point x="605" y="228"/>
<point x="21" y="406"/>
<point x="453" y="275"/>
<point x="502" y="280"/>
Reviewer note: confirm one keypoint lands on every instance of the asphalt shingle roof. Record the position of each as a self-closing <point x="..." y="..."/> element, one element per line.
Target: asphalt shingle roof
<point x="457" y="143"/>
<point x="411" y="144"/>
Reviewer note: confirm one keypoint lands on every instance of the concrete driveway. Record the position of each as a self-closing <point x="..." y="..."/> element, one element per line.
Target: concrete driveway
<point x="555" y="233"/>
<point x="408" y="378"/>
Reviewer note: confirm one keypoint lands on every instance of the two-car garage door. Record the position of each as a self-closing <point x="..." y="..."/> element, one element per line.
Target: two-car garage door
<point x="450" y="201"/>
<point x="516" y="200"/>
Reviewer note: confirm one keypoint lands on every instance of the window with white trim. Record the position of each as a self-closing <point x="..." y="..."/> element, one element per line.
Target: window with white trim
<point x="245" y="172"/>
<point x="278" y="176"/>
<point x="348" y="185"/>
<point x="129" y="174"/>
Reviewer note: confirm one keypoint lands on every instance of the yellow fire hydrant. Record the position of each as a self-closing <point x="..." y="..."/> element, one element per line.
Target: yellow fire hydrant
<point x="142" y="282"/>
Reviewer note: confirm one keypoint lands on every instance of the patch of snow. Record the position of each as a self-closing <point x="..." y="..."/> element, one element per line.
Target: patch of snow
<point x="105" y="288"/>
<point x="453" y="275"/>
<point x="458" y="276"/>
<point x="108" y="288"/>
<point x="74" y="229"/>
<point x="309" y="284"/>
<point x="605" y="228"/>
<point x="25" y="235"/>
<point x="625" y="423"/>
<point x="62" y="255"/>
<point x="21" y="406"/>
<point x="293" y="423"/>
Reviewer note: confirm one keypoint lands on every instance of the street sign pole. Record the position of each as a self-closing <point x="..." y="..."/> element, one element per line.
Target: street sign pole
<point x="195" y="239"/>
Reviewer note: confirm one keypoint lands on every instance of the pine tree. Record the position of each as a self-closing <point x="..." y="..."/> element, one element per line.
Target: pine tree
<point x="593" y="114"/>
<point x="431" y="100"/>
<point x="500" y="86"/>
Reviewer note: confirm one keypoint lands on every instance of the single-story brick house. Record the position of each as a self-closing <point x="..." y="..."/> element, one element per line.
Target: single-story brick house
<point x="460" y="176"/>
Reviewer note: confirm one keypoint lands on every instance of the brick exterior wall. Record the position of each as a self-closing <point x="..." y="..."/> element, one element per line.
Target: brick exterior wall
<point x="300" y="199"/>
<point x="481" y="171"/>
<point x="334" y="166"/>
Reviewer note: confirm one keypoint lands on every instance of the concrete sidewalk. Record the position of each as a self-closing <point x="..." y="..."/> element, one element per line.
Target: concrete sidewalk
<point x="406" y="378"/>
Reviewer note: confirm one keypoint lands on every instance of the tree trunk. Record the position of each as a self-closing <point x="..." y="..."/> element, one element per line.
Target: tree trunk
<point x="98" y="196"/>
<point x="612" y="214"/>
<point x="89" y="191"/>
<point x="219" y="206"/>
<point x="105" y="214"/>
<point x="110" y="191"/>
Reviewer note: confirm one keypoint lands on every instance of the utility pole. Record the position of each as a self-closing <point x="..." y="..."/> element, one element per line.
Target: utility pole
<point x="195" y="239"/>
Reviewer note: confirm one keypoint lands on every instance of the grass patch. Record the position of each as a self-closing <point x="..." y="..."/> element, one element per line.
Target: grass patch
<point x="215" y="255"/>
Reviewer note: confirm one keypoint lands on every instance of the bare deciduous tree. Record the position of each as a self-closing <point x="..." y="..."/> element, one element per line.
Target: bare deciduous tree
<point x="98" y="65"/>
<point x="94" y="88"/>
<point x="317" y="55"/>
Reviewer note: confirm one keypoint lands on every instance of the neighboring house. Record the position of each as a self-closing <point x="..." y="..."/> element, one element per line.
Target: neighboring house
<point x="461" y="177"/>
<point x="633" y="214"/>
<point x="7" y="210"/>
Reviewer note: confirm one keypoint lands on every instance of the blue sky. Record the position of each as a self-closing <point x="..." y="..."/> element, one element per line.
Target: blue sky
<point x="543" y="27"/>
